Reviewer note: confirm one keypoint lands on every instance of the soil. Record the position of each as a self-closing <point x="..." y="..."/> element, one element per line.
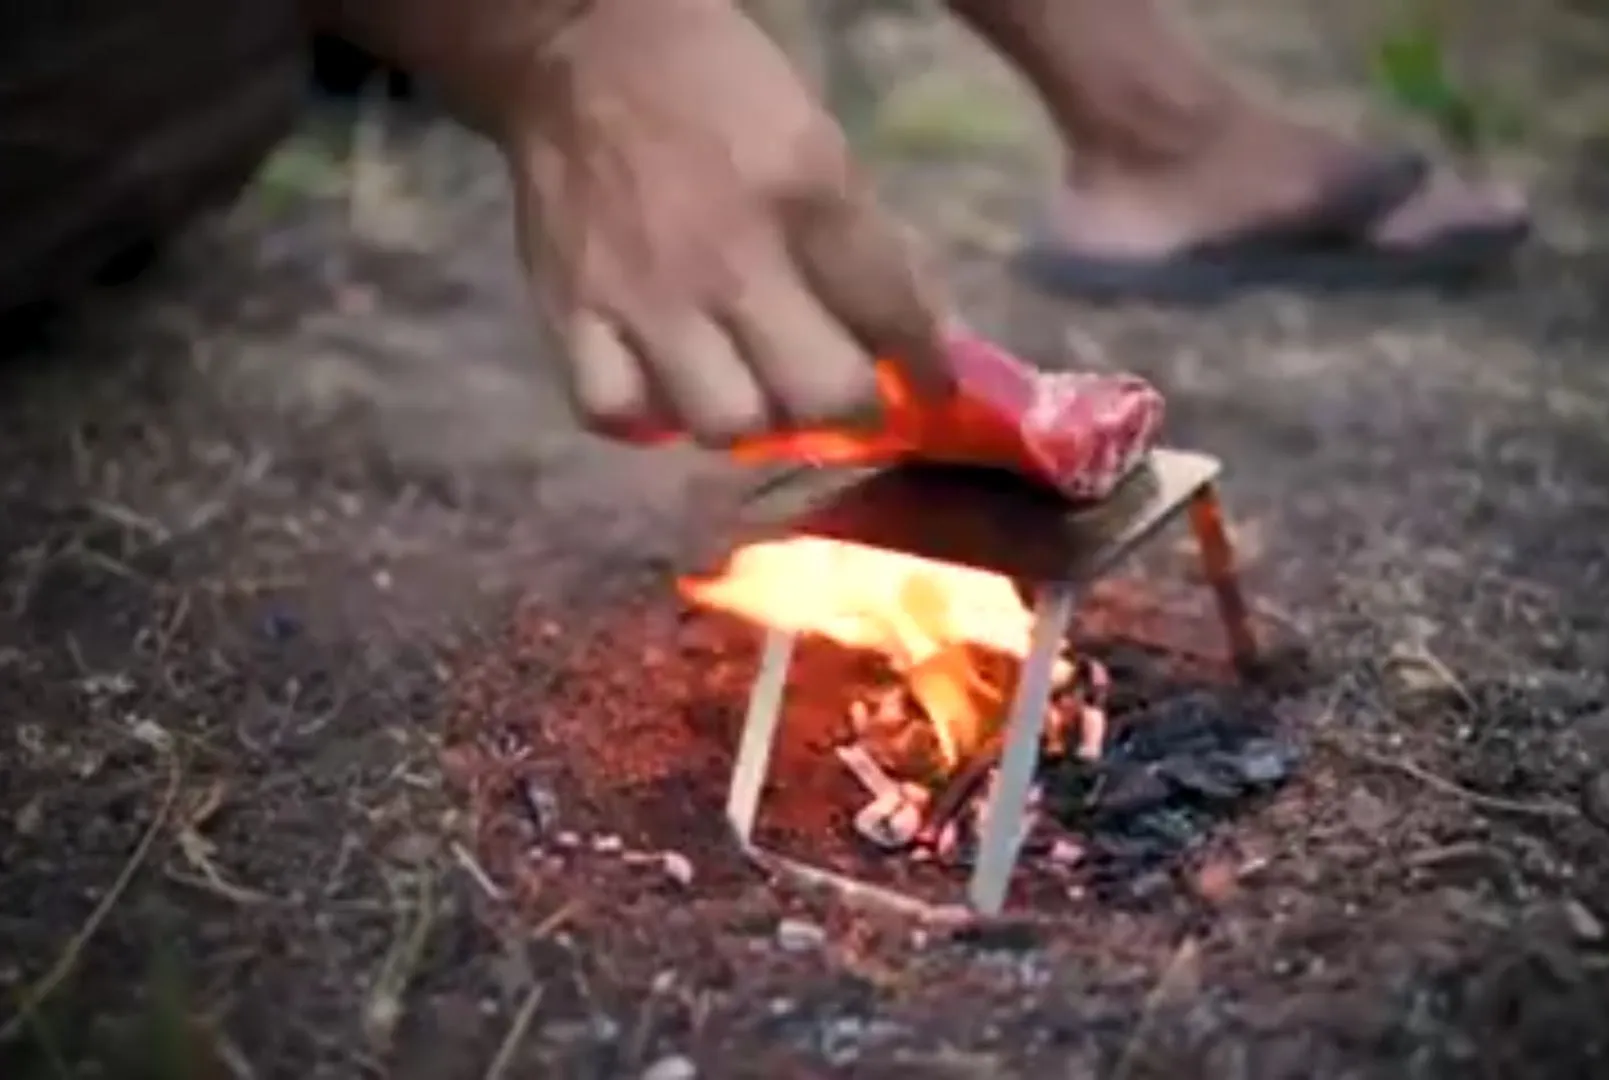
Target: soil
<point x="351" y="727"/>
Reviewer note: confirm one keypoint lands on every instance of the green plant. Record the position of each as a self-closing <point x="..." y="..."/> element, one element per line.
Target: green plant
<point x="1412" y="68"/>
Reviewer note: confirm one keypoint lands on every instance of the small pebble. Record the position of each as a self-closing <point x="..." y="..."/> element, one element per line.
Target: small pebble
<point x="1265" y="761"/>
<point x="540" y="804"/>
<point x="608" y="844"/>
<point x="1595" y="799"/>
<point x="1586" y="926"/>
<point x="671" y="1067"/>
<point x="678" y="867"/>
<point x="1216" y="882"/>
<point x="1367" y="813"/>
<point x="1065" y="852"/>
<point x="799" y="935"/>
<point x="280" y="626"/>
<point x="567" y="840"/>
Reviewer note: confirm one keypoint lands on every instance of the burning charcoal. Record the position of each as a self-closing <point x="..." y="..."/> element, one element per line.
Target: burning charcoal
<point x="1057" y="724"/>
<point x="962" y="787"/>
<point x="877" y="783"/>
<point x="1091" y="732"/>
<point x="893" y="820"/>
<point x="1174" y="769"/>
<point x="1095" y="681"/>
<point x="960" y="689"/>
<point x="911" y="753"/>
<point x="890" y="710"/>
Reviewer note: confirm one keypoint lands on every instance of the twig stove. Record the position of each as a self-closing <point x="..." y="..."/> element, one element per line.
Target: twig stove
<point x="1051" y="551"/>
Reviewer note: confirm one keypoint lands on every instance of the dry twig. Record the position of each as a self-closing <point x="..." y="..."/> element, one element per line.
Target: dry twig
<point x="32" y="998"/>
<point x="521" y="1024"/>
<point x="516" y="1034"/>
<point x="471" y="866"/>
<point x="384" y="1007"/>
<point x="1174" y="977"/>
<point x="1494" y="803"/>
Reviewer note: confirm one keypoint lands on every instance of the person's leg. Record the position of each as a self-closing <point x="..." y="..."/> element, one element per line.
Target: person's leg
<point x="1165" y="151"/>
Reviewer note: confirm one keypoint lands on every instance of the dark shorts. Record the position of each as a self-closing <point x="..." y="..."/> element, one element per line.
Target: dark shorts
<point x="122" y="119"/>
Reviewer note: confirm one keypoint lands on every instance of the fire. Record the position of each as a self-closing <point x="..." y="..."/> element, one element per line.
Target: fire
<point x="934" y="622"/>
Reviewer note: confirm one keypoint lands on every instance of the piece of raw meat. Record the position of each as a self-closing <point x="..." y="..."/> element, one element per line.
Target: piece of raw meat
<point x="1079" y="432"/>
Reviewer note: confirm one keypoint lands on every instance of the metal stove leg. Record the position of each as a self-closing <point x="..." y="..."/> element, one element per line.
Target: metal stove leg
<point x="1008" y="806"/>
<point x="759" y="733"/>
<point x="1218" y="564"/>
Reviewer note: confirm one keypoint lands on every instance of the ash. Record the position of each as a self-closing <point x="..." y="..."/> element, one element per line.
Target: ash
<point x="1137" y="769"/>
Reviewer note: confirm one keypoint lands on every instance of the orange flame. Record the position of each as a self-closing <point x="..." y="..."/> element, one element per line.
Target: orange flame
<point x="925" y="617"/>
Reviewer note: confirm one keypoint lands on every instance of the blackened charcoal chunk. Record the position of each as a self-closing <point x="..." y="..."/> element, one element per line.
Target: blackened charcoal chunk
<point x="1214" y="777"/>
<point x="1130" y="789"/>
<point x="1266" y="762"/>
<point x="1067" y="785"/>
<point x="1121" y="849"/>
<point x="1231" y="772"/>
<point x="1198" y="722"/>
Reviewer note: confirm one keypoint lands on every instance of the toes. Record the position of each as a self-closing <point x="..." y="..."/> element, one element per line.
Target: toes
<point x="1449" y="202"/>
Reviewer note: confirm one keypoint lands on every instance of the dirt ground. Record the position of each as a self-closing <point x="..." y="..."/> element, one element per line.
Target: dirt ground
<point x="303" y="566"/>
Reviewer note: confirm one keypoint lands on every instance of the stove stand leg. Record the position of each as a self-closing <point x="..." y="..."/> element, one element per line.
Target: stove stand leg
<point x="1218" y="564"/>
<point x="759" y="734"/>
<point x="1008" y="806"/>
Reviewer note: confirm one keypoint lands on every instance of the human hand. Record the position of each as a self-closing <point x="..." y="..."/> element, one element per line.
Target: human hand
<point x="698" y="236"/>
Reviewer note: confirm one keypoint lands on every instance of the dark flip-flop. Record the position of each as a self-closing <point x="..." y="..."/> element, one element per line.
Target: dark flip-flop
<point x="1326" y="249"/>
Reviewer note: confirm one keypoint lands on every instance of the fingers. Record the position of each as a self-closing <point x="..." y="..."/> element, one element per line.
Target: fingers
<point x="811" y="367"/>
<point x="792" y="349"/>
<point x="867" y="273"/>
<point x="608" y="384"/>
<point x="662" y="376"/>
<point x="703" y="380"/>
